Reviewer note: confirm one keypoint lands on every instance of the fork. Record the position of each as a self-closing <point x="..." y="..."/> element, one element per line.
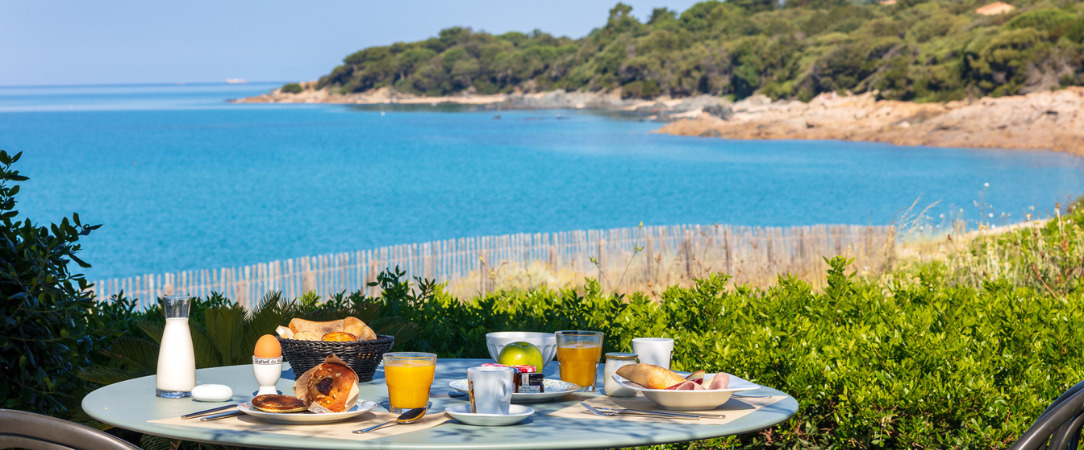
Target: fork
<point x="676" y="415"/>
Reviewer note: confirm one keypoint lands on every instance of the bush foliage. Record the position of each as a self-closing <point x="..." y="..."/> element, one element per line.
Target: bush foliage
<point x="912" y="50"/>
<point x="47" y="327"/>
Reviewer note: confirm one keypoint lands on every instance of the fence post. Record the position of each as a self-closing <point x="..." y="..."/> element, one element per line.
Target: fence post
<point x="308" y="277"/>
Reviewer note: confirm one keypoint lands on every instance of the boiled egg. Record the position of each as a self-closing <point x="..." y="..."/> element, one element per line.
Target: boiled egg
<point x="267" y="347"/>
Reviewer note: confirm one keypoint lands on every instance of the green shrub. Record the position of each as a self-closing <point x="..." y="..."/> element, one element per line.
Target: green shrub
<point x="292" y="88"/>
<point x="45" y="330"/>
<point x="1054" y="22"/>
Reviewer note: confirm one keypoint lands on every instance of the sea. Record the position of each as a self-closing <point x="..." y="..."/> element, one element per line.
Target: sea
<point x="182" y="179"/>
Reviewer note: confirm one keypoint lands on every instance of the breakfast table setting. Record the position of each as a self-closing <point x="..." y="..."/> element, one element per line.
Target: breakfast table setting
<point x="538" y="390"/>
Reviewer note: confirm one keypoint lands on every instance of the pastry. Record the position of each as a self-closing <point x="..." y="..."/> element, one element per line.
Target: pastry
<point x="329" y="385"/>
<point x="338" y="336"/>
<point x="650" y="376"/>
<point x="278" y="403"/>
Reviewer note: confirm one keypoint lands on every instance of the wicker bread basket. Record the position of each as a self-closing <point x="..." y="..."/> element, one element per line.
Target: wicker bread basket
<point x="362" y="356"/>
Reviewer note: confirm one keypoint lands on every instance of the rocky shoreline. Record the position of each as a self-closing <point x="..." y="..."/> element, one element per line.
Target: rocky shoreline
<point x="1050" y="120"/>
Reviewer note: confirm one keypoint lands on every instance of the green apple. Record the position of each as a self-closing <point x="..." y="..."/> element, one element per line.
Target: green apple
<point x="520" y="354"/>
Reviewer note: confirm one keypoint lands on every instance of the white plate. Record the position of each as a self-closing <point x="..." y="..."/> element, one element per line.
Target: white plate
<point x="553" y="389"/>
<point x="306" y="417"/>
<point x="516" y="414"/>
<point x="691" y="400"/>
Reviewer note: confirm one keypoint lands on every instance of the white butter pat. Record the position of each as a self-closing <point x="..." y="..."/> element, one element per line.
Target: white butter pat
<point x="212" y="393"/>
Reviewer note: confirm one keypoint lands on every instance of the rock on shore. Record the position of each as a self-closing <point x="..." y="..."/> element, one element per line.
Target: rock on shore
<point x="1052" y="120"/>
<point x="663" y="108"/>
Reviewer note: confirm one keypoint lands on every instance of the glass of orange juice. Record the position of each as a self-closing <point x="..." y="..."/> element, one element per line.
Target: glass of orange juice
<point x="578" y="353"/>
<point x="408" y="375"/>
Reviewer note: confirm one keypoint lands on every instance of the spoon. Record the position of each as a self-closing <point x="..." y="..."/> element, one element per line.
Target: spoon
<point x="408" y="416"/>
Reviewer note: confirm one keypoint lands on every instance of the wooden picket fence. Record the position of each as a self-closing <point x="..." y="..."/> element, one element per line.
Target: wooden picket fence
<point x="641" y="258"/>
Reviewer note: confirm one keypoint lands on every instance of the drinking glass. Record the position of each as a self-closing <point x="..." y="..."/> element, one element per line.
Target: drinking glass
<point x="408" y="375"/>
<point x="578" y="353"/>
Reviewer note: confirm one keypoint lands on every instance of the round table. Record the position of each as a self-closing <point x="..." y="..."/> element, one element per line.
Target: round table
<point x="131" y="404"/>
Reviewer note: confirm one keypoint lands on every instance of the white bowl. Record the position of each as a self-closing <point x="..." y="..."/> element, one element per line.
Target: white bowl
<point x="546" y="342"/>
<point x="516" y="414"/>
<point x="691" y="400"/>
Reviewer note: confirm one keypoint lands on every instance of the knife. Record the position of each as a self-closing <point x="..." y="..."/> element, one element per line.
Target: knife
<point x="220" y="416"/>
<point x="665" y="413"/>
<point x="207" y="411"/>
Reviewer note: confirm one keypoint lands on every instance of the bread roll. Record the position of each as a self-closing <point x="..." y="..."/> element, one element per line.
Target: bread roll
<point x="307" y="336"/>
<point x="318" y="328"/>
<point x="650" y="376"/>
<point x="358" y="328"/>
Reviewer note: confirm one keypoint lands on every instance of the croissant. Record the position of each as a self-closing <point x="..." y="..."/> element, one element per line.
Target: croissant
<point x="650" y="376"/>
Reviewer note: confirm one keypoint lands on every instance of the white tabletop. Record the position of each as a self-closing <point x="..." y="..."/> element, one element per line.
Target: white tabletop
<point x="132" y="404"/>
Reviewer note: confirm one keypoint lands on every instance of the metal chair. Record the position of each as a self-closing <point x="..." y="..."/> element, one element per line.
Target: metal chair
<point x="1059" y="426"/>
<point x="23" y="429"/>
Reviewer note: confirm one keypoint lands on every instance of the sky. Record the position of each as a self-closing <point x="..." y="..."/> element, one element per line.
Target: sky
<point x="66" y="42"/>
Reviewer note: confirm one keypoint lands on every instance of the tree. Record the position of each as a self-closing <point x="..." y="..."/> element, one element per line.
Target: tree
<point x="621" y="20"/>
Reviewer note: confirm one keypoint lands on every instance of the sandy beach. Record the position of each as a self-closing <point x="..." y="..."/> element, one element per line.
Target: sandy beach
<point x="1049" y="120"/>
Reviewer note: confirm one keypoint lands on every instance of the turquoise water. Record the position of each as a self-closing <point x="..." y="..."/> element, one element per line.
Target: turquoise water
<point x="183" y="180"/>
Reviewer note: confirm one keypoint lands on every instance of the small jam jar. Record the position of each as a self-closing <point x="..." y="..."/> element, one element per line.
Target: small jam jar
<point x="613" y="361"/>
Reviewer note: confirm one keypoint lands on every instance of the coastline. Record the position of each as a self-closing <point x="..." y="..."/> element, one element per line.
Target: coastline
<point x="1047" y="120"/>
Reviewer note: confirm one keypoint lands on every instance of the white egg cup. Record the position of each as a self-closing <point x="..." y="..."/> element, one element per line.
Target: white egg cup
<point x="267" y="371"/>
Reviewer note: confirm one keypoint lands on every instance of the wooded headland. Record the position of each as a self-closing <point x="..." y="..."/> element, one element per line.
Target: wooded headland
<point x="921" y="73"/>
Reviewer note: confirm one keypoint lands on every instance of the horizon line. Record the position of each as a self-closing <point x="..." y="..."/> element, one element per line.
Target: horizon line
<point x="149" y="83"/>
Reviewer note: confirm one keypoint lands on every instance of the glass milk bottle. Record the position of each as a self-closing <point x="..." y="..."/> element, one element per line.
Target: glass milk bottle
<point x="613" y="361"/>
<point x="176" y="360"/>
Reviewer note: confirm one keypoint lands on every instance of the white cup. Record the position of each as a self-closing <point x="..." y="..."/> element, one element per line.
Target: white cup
<point x="655" y="351"/>
<point x="490" y="389"/>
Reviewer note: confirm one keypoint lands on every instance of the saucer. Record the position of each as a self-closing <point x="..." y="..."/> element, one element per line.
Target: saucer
<point x="516" y="414"/>
<point x="554" y="388"/>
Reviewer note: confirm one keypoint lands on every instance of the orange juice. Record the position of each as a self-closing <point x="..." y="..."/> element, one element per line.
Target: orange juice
<point x="408" y="383"/>
<point x="579" y="362"/>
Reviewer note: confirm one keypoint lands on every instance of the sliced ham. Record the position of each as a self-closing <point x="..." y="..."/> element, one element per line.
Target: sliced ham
<point x="687" y="386"/>
<point x="719" y="381"/>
